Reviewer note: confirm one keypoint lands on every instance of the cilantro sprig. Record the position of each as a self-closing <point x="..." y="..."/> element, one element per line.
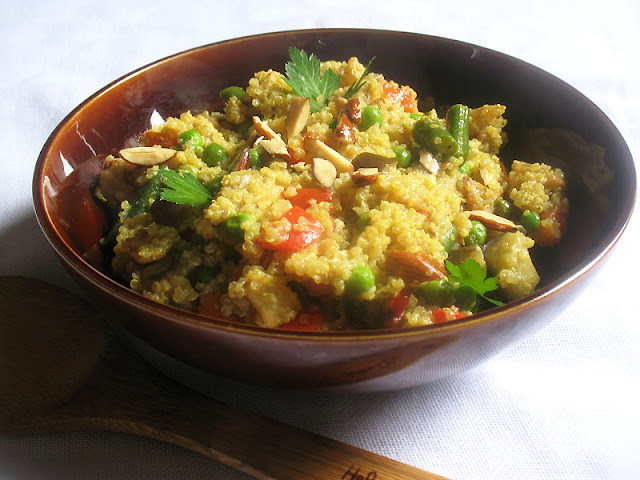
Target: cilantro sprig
<point x="184" y="189"/>
<point x="305" y="79"/>
<point x="470" y="274"/>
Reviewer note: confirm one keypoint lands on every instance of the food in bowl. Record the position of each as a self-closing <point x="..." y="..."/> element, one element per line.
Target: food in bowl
<point x="329" y="198"/>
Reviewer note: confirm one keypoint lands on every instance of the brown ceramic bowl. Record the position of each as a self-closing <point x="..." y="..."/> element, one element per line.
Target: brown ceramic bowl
<point x="448" y="70"/>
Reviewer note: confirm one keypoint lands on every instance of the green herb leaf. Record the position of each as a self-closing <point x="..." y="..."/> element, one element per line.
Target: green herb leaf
<point x="359" y="83"/>
<point x="470" y="273"/>
<point x="184" y="189"/>
<point x="304" y="77"/>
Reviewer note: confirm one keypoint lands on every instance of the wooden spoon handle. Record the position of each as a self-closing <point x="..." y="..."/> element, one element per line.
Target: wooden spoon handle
<point x="126" y="395"/>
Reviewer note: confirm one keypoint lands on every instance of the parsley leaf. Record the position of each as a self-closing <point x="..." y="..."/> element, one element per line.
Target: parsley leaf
<point x="303" y="76"/>
<point x="469" y="273"/>
<point x="359" y="83"/>
<point x="184" y="189"/>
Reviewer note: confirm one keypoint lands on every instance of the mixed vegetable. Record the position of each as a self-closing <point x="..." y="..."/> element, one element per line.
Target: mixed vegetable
<point x="450" y="289"/>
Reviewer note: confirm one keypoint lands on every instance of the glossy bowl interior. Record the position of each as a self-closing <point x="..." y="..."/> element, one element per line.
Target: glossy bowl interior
<point x="447" y="70"/>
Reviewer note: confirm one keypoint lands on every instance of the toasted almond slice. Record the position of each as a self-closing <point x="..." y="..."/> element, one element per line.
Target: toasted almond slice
<point x="275" y="146"/>
<point x="428" y="161"/>
<point x="345" y="130"/>
<point x="322" y="150"/>
<point x="272" y="142"/>
<point x="264" y="129"/>
<point x="372" y="160"/>
<point x="297" y="116"/>
<point x="413" y="266"/>
<point x="147" y="156"/>
<point x="353" y="109"/>
<point x="324" y="171"/>
<point x="493" y="221"/>
<point x="365" y="176"/>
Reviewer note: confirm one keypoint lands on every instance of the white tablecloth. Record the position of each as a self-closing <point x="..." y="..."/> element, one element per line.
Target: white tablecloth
<point x="563" y="404"/>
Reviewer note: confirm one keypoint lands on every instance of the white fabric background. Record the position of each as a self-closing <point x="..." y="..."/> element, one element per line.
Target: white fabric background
<point x="563" y="404"/>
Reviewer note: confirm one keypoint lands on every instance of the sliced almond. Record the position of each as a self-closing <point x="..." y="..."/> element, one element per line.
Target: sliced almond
<point x="272" y="142"/>
<point x="365" y="176"/>
<point x="324" y="171"/>
<point x="297" y="116"/>
<point x="322" y="150"/>
<point x="493" y="221"/>
<point x="428" y="161"/>
<point x="413" y="266"/>
<point x="372" y="160"/>
<point x="345" y="130"/>
<point x="264" y="129"/>
<point x="147" y="156"/>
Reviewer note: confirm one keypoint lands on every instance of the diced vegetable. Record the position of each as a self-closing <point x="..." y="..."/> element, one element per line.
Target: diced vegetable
<point x="214" y="155"/>
<point x="229" y="92"/>
<point x="191" y="139"/>
<point x="306" y="321"/>
<point x="360" y="280"/>
<point x="435" y="138"/>
<point x="458" y="125"/>
<point x="305" y="230"/>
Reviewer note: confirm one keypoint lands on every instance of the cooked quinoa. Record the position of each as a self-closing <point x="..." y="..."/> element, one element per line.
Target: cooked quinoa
<point x="301" y="230"/>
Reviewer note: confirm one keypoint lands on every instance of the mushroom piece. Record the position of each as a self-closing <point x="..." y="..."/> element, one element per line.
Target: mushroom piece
<point x="147" y="156"/>
<point x="324" y="171"/>
<point x="322" y="150"/>
<point x="297" y="116"/>
<point x="493" y="221"/>
<point x="428" y="161"/>
<point x="414" y="266"/>
<point x="372" y="160"/>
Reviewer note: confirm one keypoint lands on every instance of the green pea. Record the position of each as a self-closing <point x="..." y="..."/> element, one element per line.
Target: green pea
<point x="465" y="169"/>
<point x="362" y="221"/>
<point x="205" y="274"/>
<point x="360" y="280"/>
<point x="256" y="159"/>
<point x="415" y="116"/>
<point x="214" y="154"/>
<point x="505" y="209"/>
<point x="477" y="234"/>
<point x="229" y="92"/>
<point x="436" y="292"/>
<point x="233" y="227"/>
<point x="214" y="185"/>
<point x="191" y="139"/>
<point x="403" y="157"/>
<point x="530" y="220"/>
<point x="435" y="138"/>
<point x="451" y="239"/>
<point x="465" y="297"/>
<point x="370" y="116"/>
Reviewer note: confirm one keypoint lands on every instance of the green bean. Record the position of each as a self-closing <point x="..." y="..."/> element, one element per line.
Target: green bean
<point x="233" y="227"/>
<point x="436" y="292"/>
<point x="465" y="169"/>
<point x="227" y="93"/>
<point x="214" y="185"/>
<point x="149" y="191"/>
<point x="451" y="239"/>
<point x="465" y="297"/>
<point x="435" y="138"/>
<point x="458" y="125"/>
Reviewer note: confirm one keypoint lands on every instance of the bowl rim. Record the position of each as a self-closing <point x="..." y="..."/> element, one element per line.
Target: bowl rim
<point x="172" y="314"/>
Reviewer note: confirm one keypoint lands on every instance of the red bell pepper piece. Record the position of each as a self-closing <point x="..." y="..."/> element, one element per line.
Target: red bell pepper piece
<point x="298" y="238"/>
<point x="397" y="307"/>
<point x="304" y="196"/>
<point x="441" y="315"/>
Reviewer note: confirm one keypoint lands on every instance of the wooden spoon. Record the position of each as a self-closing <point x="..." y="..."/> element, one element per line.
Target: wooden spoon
<point x="61" y="373"/>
